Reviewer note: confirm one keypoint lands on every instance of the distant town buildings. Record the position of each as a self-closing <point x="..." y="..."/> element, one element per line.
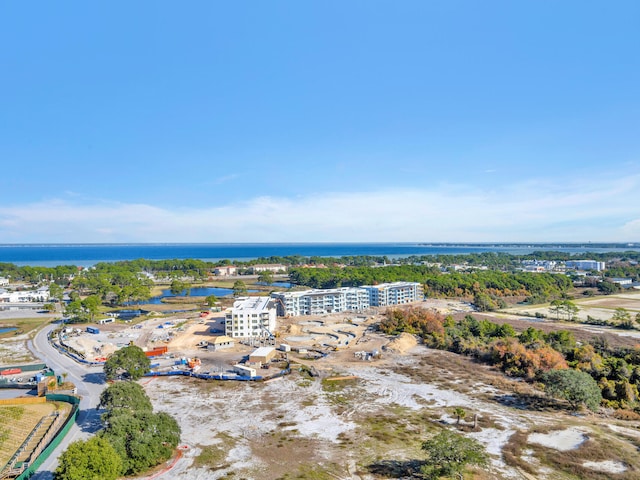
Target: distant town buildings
<point x="25" y="296"/>
<point x="4" y="282"/>
<point x="585" y="265"/>
<point x="556" y="266"/>
<point x="250" y="317"/>
<point x="272" y="267"/>
<point x="346" y="299"/>
<point x="225" y="271"/>
<point x="539" y="265"/>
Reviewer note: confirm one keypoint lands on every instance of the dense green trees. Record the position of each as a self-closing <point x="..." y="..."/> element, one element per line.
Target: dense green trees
<point x="485" y="285"/>
<point x="142" y="439"/>
<point x="124" y="397"/>
<point x="577" y="387"/>
<point x="129" y="363"/>
<point x="56" y="292"/>
<point x="531" y="354"/>
<point x="211" y="300"/>
<point x="449" y="454"/>
<point x="239" y="288"/>
<point x="113" y="284"/>
<point x="94" y="459"/>
<point x="179" y="287"/>
<point x="266" y="277"/>
<point x="608" y="288"/>
<point x="82" y="311"/>
<point x="133" y="440"/>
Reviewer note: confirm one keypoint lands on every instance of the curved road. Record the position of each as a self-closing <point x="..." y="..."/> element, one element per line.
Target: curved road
<point x="90" y="383"/>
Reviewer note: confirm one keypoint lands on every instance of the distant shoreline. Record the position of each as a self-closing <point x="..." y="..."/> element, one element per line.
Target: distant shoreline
<point x="85" y="255"/>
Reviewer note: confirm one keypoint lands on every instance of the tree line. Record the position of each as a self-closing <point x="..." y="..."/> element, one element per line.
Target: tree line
<point x="133" y="439"/>
<point x="538" y="287"/>
<point x="531" y="354"/>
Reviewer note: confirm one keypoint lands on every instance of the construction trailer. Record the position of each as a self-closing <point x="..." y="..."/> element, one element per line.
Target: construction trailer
<point x="262" y="355"/>
<point x="244" y="370"/>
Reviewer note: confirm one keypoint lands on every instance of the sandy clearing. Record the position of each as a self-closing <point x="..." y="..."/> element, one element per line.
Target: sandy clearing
<point x="606" y="466"/>
<point x="562" y="440"/>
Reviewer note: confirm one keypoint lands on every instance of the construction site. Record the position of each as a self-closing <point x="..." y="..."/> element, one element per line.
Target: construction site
<point x="196" y="344"/>
<point x="329" y="396"/>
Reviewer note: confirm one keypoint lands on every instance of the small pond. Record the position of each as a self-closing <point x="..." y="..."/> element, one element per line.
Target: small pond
<point x="194" y="292"/>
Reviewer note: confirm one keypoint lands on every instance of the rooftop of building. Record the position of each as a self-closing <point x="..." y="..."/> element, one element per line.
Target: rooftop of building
<point x="252" y="304"/>
<point x="262" y="351"/>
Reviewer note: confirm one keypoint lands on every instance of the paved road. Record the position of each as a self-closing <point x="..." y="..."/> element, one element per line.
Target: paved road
<point x="90" y="383"/>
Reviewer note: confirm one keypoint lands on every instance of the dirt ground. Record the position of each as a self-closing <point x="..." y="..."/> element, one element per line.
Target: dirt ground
<point x="370" y="423"/>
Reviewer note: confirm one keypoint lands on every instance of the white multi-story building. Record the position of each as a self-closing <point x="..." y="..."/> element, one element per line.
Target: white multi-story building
<point x="4" y="282"/>
<point x="271" y="267"/>
<point x="318" y="302"/>
<point x="395" y="293"/>
<point x="250" y="317"/>
<point x="24" y="296"/>
<point x="585" y="265"/>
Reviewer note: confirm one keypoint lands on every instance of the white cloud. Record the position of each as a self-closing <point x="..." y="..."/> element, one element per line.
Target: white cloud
<point x="530" y="211"/>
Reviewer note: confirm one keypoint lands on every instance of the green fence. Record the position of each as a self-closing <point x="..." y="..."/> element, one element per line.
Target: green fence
<point x="28" y="368"/>
<point x="75" y="401"/>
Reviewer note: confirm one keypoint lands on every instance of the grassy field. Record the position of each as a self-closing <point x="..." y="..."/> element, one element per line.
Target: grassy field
<point x="25" y="326"/>
<point x="601" y="307"/>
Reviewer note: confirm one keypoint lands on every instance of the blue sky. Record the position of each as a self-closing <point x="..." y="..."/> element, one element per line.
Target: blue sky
<point x="158" y="121"/>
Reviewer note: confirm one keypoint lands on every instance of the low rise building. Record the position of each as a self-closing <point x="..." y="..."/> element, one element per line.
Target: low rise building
<point x="585" y="265"/>
<point x="262" y="355"/>
<point x="623" y="282"/>
<point x="225" y="271"/>
<point x="250" y="317"/>
<point x="271" y="267"/>
<point x="220" y="343"/>
<point x="25" y="296"/>
<point x="4" y="282"/>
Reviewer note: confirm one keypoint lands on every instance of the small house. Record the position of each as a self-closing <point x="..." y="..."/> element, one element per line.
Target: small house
<point x="221" y="342"/>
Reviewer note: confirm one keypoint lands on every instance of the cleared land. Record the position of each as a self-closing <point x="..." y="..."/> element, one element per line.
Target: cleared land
<point x="342" y="417"/>
<point x="370" y="424"/>
<point x="601" y="308"/>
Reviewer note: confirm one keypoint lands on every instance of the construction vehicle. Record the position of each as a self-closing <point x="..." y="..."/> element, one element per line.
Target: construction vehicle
<point x="194" y="364"/>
